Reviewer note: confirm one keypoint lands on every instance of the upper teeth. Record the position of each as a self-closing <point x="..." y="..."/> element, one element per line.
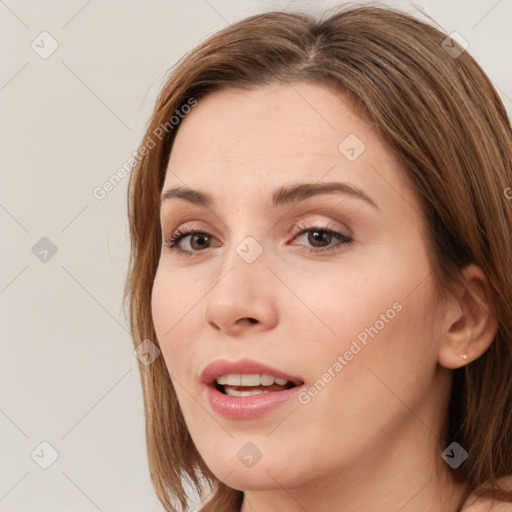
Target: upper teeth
<point x="253" y="379"/>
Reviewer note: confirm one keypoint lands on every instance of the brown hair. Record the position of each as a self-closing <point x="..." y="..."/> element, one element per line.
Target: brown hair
<point x="442" y="116"/>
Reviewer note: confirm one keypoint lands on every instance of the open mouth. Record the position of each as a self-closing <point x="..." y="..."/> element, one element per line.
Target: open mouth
<point x="251" y="384"/>
<point x="247" y="389"/>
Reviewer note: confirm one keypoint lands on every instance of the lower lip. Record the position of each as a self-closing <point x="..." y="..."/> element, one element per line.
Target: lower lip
<point x="248" y="407"/>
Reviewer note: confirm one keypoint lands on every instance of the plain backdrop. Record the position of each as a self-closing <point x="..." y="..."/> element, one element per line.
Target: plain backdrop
<point x="78" y="80"/>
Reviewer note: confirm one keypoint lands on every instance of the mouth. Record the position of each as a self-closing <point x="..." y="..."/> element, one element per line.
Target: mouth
<point x="247" y="389"/>
<point x="251" y="384"/>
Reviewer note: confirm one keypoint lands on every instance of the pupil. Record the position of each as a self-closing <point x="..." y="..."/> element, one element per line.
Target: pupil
<point x="200" y="236"/>
<point x="321" y="235"/>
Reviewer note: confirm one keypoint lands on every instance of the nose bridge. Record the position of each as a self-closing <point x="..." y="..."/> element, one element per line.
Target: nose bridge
<point x="241" y="290"/>
<point x="246" y="238"/>
<point x="244" y="262"/>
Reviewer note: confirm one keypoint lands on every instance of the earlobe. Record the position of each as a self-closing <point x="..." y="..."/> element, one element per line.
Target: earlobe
<point x="469" y="323"/>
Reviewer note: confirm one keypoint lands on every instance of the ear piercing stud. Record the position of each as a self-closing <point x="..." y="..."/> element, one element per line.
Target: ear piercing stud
<point x="464" y="356"/>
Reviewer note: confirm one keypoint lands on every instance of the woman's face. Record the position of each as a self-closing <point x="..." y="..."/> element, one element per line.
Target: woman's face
<point x="348" y="316"/>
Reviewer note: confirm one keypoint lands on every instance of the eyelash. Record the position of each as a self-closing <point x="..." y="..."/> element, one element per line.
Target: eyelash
<point x="172" y="242"/>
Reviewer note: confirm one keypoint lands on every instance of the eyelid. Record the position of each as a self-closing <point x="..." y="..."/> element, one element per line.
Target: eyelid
<point x="340" y="216"/>
<point x="188" y="225"/>
<point x="301" y="226"/>
<point x="301" y="211"/>
<point x="314" y="218"/>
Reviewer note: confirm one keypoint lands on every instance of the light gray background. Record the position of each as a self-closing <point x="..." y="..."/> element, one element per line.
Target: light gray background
<point x="67" y="123"/>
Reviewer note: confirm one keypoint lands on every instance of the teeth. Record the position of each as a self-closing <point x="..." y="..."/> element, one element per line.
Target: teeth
<point x="266" y="380"/>
<point x="253" y="379"/>
<point x="233" y="392"/>
<point x="250" y="380"/>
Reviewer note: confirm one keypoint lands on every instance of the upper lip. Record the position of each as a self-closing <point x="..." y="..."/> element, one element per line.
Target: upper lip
<point x="243" y="367"/>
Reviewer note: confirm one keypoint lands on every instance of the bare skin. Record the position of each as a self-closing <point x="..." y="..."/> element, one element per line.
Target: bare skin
<point x="368" y="440"/>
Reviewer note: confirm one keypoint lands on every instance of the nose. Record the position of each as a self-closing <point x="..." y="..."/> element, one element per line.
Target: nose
<point x="249" y="319"/>
<point x="243" y="296"/>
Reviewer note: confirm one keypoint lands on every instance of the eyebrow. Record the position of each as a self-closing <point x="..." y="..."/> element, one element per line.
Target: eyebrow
<point x="281" y="196"/>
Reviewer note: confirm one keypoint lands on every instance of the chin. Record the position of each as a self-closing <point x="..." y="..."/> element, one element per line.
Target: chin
<point x="255" y="478"/>
<point x="238" y="470"/>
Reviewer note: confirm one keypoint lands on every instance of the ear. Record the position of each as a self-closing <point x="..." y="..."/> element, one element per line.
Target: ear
<point x="469" y="322"/>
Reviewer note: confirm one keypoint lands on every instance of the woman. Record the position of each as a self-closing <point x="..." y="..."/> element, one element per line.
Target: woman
<point x="320" y="232"/>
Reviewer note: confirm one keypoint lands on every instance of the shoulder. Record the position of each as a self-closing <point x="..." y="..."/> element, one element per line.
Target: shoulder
<point x="475" y="504"/>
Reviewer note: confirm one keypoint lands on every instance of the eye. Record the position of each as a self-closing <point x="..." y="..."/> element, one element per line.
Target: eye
<point x="321" y="239"/>
<point x="322" y="235"/>
<point x="199" y="238"/>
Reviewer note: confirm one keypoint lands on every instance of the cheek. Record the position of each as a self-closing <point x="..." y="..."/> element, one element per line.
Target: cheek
<point x="384" y="335"/>
<point x="175" y="307"/>
<point x="378" y="320"/>
<point x="381" y="357"/>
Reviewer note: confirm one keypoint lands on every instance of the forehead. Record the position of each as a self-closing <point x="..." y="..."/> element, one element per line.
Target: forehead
<point x="280" y="133"/>
<point x="265" y="122"/>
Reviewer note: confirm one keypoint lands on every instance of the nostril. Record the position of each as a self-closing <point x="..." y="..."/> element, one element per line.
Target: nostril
<point x="252" y="320"/>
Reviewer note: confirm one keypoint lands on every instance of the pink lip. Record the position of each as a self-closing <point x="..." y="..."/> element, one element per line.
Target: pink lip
<point x="246" y="407"/>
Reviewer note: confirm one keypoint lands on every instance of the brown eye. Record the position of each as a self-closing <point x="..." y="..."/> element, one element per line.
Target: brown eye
<point x="321" y="239"/>
<point x="199" y="241"/>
